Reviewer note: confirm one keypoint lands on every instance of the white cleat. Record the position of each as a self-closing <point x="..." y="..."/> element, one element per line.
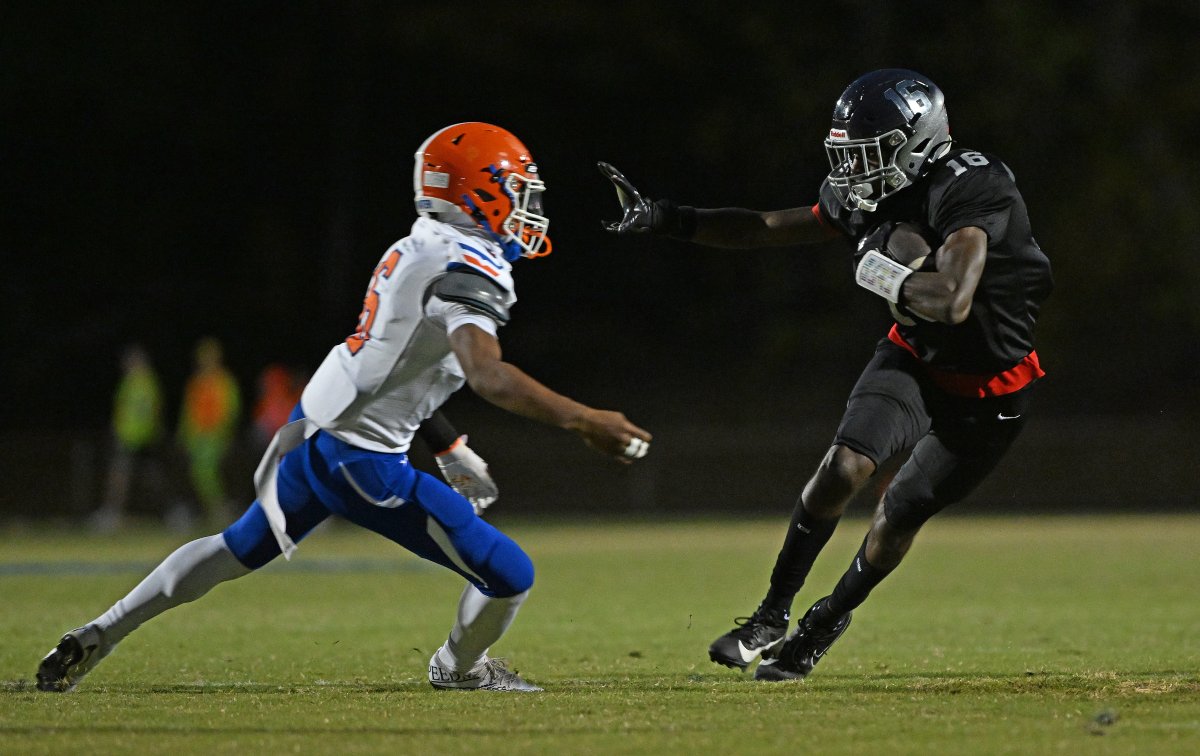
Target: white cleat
<point x="489" y="674"/>
<point x="76" y="654"/>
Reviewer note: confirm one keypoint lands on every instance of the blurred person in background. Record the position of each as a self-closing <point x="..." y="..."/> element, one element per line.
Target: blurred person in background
<point x="942" y="234"/>
<point x="279" y="390"/>
<point x="207" y="424"/>
<point x="137" y="436"/>
<point x="429" y="324"/>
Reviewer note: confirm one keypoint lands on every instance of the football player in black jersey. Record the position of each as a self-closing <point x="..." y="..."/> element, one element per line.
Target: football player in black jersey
<point x="949" y="384"/>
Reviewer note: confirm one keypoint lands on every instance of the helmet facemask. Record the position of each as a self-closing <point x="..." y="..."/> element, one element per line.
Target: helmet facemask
<point x="526" y="225"/>
<point x="865" y="170"/>
<point x="522" y="230"/>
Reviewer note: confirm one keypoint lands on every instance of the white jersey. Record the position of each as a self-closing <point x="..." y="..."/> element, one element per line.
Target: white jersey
<point x="375" y="389"/>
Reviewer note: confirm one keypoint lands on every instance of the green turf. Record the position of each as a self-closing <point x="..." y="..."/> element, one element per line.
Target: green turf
<point x="996" y="636"/>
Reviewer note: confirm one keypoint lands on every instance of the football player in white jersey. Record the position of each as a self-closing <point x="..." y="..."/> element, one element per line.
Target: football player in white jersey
<point x="429" y="323"/>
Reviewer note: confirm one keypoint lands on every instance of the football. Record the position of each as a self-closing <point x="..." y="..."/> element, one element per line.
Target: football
<point x="909" y="244"/>
<point x="912" y="245"/>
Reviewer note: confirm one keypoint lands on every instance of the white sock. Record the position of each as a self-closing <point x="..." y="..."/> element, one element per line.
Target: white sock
<point x="481" y="621"/>
<point x="186" y="575"/>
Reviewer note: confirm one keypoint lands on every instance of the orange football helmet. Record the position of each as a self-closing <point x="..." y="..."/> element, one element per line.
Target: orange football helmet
<point x="486" y="173"/>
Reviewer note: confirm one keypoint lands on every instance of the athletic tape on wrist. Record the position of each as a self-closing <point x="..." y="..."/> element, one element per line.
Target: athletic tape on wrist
<point x="881" y="274"/>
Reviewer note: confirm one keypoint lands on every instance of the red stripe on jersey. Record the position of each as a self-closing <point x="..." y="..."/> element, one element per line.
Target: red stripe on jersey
<point x="475" y="261"/>
<point x="976" y="386"/>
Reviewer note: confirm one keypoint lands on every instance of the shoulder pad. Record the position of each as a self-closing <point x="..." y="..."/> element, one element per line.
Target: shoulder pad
<point x="474" y="290"/>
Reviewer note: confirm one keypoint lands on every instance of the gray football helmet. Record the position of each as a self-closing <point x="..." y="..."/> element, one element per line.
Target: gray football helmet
<point x="889" y="127"/>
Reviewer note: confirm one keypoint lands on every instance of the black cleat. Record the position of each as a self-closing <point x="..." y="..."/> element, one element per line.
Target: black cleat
<point x="75" y="655"/>
<point x="754" y="636"/>
<point x="802" y="649"/>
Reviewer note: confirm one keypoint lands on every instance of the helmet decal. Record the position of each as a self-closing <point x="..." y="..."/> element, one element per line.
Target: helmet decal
<point x="908" y="98"/>
<point x="437" y="179"/>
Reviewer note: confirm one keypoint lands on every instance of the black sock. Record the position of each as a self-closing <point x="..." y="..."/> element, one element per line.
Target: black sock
<point x="805" y="538"/>
<point x="852" y="589"/>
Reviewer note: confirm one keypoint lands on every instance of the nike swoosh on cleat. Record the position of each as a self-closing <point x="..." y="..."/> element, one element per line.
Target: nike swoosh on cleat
<point x="747" y="654"/>
<point x="1003" y="416"/>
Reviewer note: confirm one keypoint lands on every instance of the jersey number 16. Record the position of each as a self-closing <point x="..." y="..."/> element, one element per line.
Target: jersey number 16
<point x="970" y="158"/>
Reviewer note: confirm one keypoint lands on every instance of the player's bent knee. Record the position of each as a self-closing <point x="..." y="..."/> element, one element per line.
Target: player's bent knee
<point x="250" y="538"/>
<point x="511" y="568"/>
<point x="908" y="504"/>
<point x="849" y="467"/>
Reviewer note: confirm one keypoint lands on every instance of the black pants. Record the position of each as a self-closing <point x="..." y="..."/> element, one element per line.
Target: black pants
<point x="955" y="441"/>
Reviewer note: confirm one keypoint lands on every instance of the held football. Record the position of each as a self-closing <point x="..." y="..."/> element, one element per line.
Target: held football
<point x="911" y="245"/>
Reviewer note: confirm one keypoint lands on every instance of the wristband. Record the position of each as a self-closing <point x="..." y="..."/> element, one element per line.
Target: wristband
<point x="881" y="275"/>
<point x="676" y="221"/>
<point x="437" y="433"/>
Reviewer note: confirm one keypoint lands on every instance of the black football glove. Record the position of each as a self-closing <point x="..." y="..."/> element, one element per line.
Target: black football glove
<point x="639" y="214"/>
<point x="875" y="239"/>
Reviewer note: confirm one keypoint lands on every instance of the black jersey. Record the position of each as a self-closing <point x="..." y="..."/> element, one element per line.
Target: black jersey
<point x="968" y="188"/>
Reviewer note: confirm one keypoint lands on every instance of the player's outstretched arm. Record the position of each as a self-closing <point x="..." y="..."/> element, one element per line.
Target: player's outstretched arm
<point x="510" y="388"/>
<point x="728" y="227"/>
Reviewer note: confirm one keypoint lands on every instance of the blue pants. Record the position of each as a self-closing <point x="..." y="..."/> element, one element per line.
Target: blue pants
<point x="382" y="492"/>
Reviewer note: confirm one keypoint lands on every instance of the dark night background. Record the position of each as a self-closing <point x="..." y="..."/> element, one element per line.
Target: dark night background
<point x="176" y="170"/>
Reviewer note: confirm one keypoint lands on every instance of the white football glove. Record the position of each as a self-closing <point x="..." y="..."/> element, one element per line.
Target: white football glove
<point x="467" y="473"/>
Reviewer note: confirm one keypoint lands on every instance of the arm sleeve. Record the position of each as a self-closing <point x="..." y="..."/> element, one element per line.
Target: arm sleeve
<point x="437" y="432"/>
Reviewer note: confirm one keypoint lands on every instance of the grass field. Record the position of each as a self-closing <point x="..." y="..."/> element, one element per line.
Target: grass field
<point x="1021" y="635"/>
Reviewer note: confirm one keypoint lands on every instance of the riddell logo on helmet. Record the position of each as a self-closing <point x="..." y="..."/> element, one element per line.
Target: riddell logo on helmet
<point x="838" y="134"/>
